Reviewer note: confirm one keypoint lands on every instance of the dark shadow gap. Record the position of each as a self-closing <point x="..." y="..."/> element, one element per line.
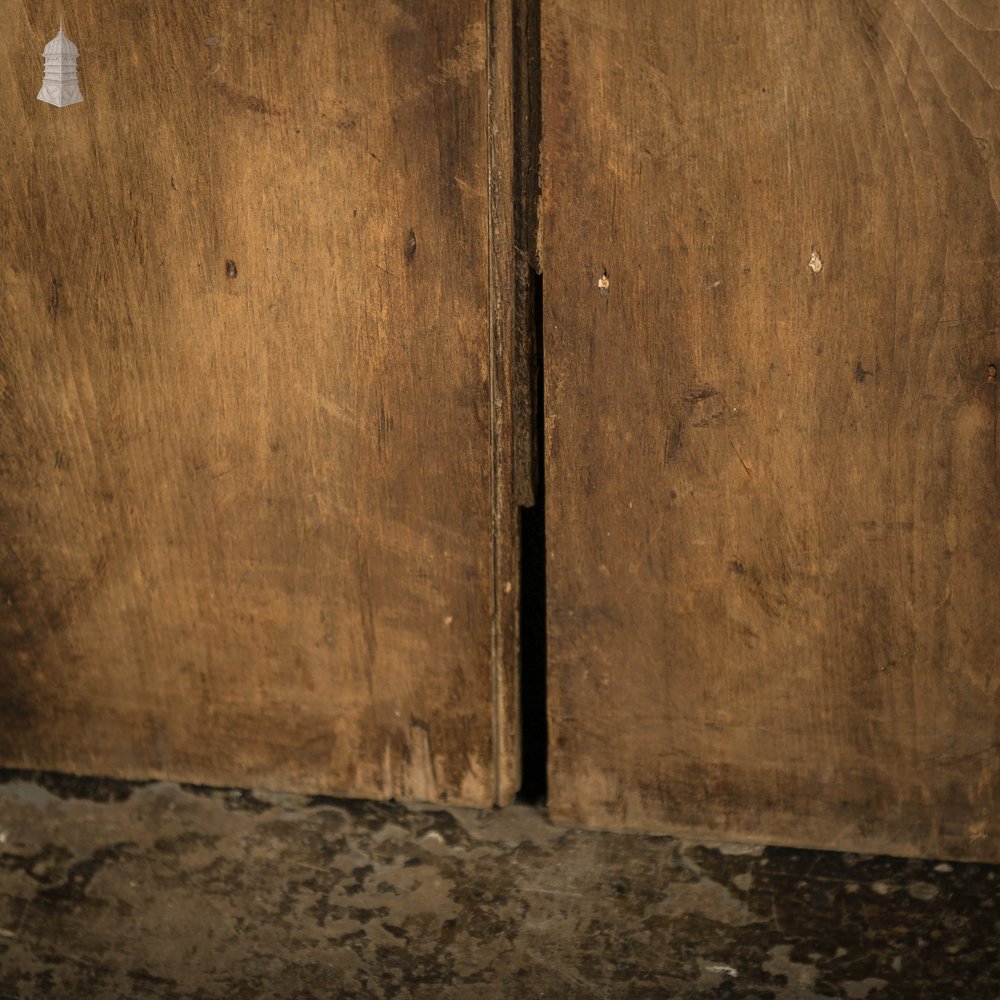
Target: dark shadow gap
<point x="529" y="352"/>
<point x="534" y="645"/>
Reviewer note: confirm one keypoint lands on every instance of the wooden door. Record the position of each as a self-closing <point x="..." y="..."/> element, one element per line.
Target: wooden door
<point x="248" y="499"/>
<point x="770" y="241"/>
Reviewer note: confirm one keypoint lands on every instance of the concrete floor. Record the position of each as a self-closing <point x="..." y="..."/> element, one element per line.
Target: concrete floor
<point x="111" y="890"/>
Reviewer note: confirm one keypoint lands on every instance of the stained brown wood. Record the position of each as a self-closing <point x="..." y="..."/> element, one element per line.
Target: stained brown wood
<point x="245" y="368"/>
<point x="770" y="241"/>
<point x="511" y="427"/>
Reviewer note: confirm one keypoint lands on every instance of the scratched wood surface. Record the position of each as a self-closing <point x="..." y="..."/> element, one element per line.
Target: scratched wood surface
<point x="245" y="433"/>
<point x="770" y="244"/>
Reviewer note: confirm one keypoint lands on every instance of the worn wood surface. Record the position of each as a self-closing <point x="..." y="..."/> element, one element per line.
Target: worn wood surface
<point x="770" y="245"/>
<point x="245" y="433"/>
<point x="510" y="426"/>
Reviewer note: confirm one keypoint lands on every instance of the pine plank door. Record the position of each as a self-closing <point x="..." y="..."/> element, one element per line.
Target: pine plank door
<point x="246" y="480"/>
<point x="770" y="241"/>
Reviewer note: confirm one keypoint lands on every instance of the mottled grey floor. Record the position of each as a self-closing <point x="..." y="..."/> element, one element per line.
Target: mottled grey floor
<point x="110" y="890"/>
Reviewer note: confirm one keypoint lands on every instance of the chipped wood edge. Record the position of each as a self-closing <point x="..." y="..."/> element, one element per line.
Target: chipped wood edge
<point x="505" y="521"/>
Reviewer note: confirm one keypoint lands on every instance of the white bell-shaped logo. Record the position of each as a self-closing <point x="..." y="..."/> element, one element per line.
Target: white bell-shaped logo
<point x="60" y="87"/>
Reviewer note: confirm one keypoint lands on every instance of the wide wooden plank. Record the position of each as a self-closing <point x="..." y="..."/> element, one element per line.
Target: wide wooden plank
<point x="245" y="433"/>
<point x="770" y="239"/>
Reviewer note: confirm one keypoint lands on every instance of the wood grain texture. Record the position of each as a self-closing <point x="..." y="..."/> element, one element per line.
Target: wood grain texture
<point x="508" y="424"/>
<point x="770" y="241"/>
<point x="245" y="430"/>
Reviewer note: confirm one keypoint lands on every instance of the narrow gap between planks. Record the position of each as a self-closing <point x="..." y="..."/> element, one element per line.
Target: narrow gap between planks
<point x="517" y="476"/>
<point x="528" y="310"/>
